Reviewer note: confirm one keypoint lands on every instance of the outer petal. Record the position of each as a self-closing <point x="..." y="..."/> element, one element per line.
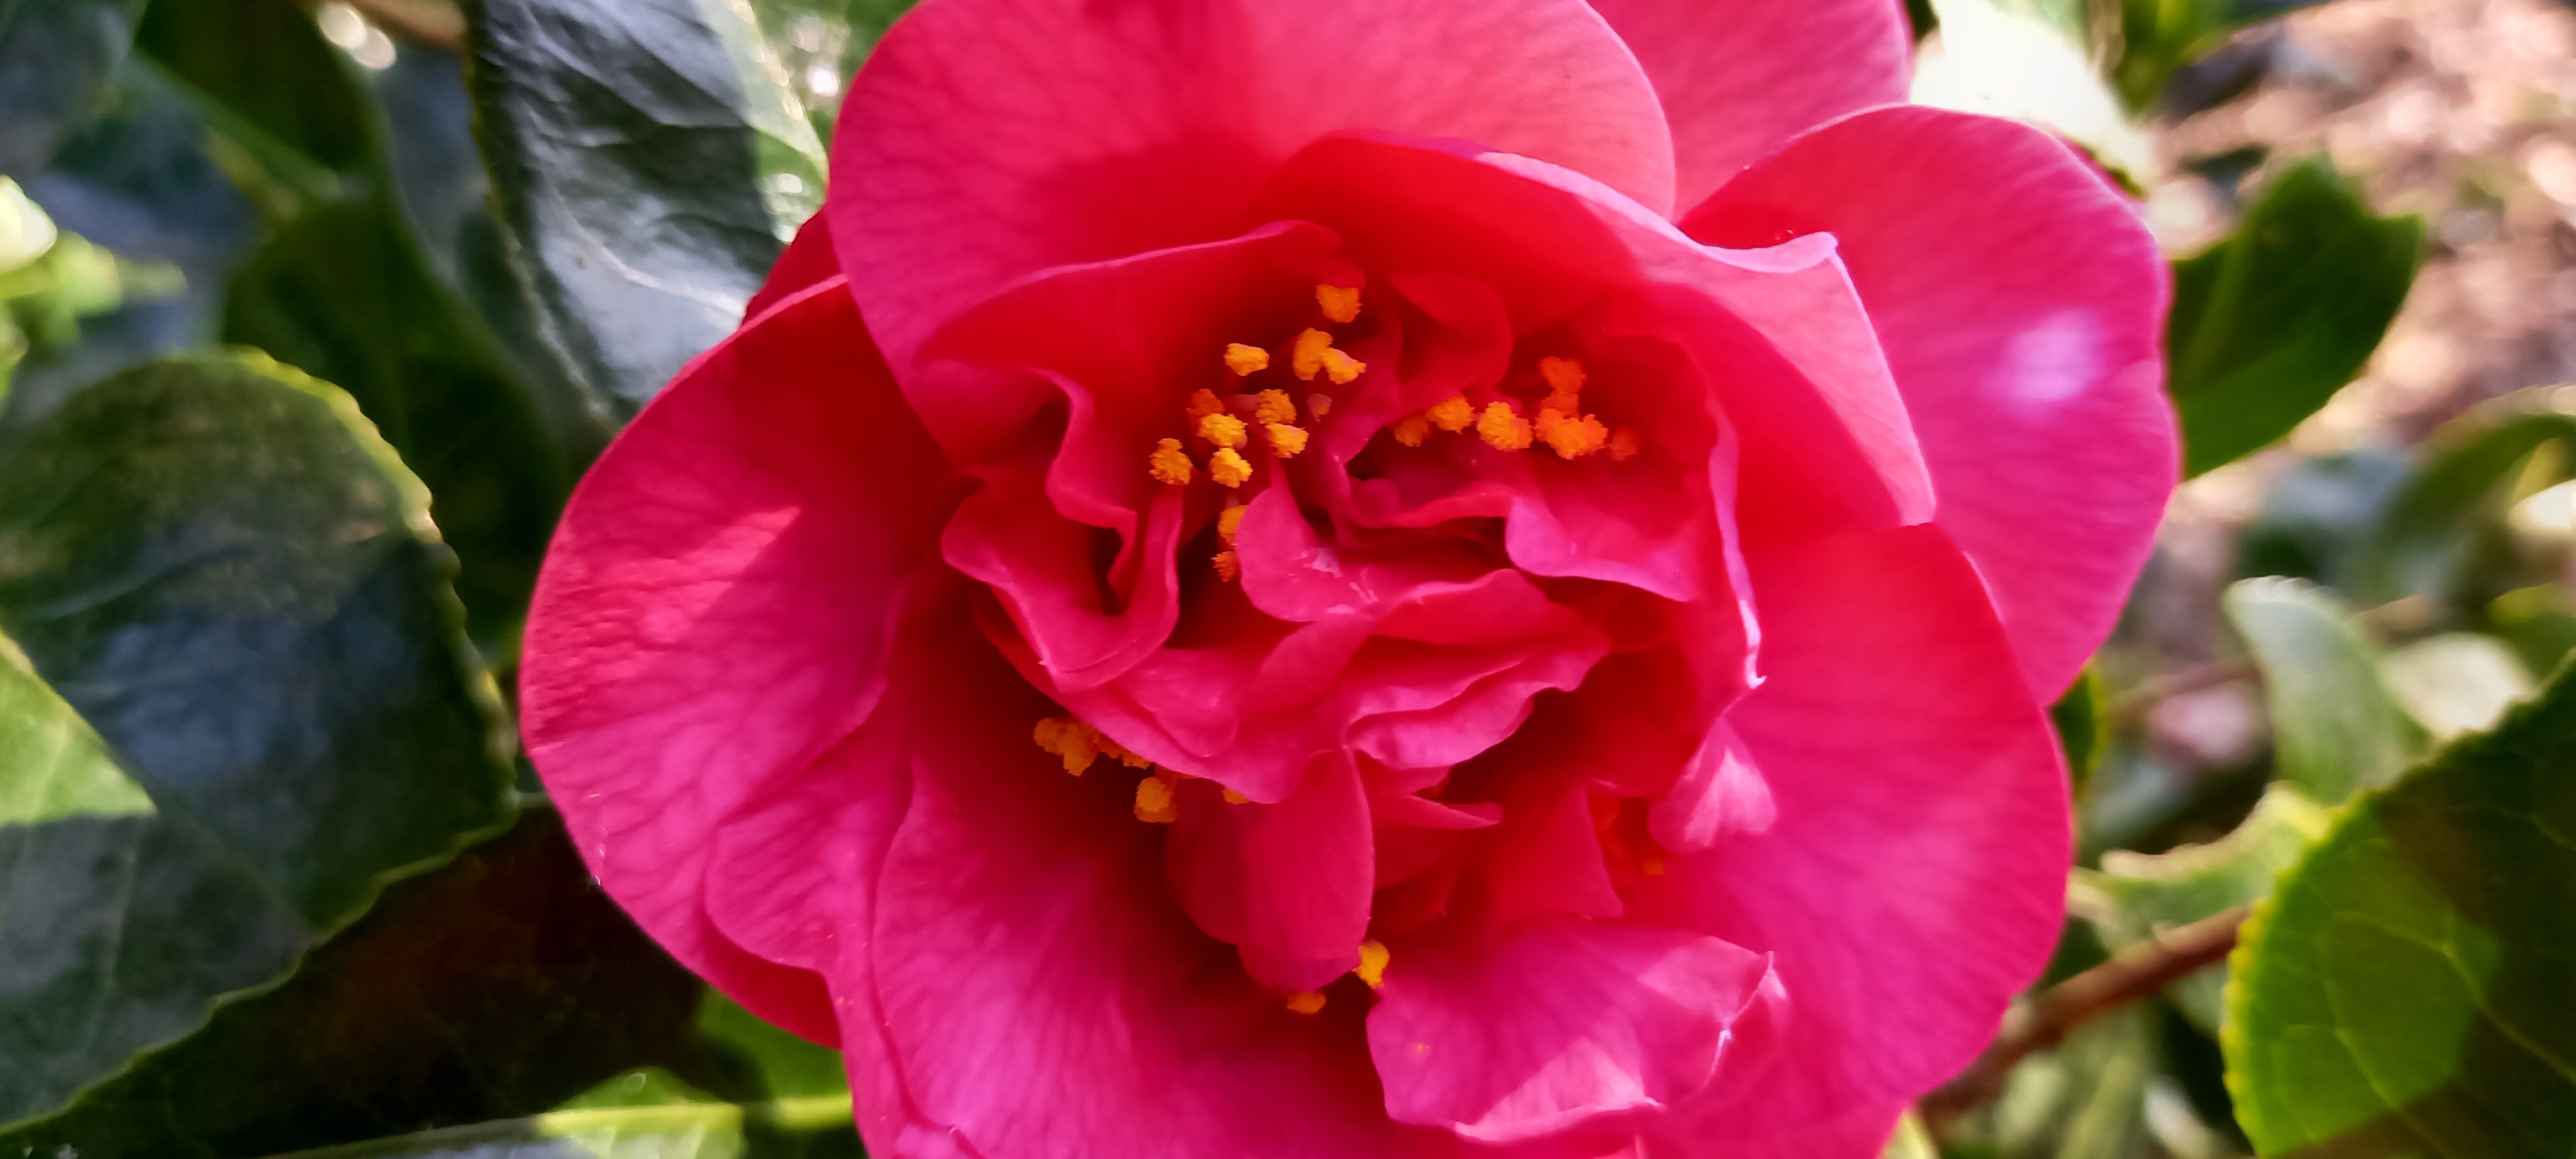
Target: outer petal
<point x="714" y="611"/>
<point x="987" y="139"/>
<point x="2021" y="304"/>
<point x="1913" y="877"/>
<point x="809" y="258"/>
<point x="1738" y="79"/>
<point x="1556" y="1023"/>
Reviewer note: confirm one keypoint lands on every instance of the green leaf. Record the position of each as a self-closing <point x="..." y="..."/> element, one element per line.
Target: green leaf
<point x="52" y="767"/>
<point x="267" y="80"/>
<point x="500" y="985"/>
<point x="55" y="59"/>
<point x="2078" y="717"/>
<point x="2539" y="622"/>
<point x="785" y="1066"/>
<point x="647" y="165"/>
<point x="218" y="565"/>
<point x="2456" y="682"/>
<point x="2335" y="726"/>
<point x="2136" y="896"/>
<point x="2160" y="36"/>
<point x="2404" y="992"/>
<point x="2424" y="539"/>
<point x="2270" y="323"/>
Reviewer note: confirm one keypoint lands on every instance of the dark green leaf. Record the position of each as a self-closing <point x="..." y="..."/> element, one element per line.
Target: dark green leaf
<point x="2335" y="727"/>
<point x="342" y="293"/>
<point x="270" y="83"/>
<point x="2429" y="529"/>
<point x="784" y="1066"/>
<point x="500" y="985"/>
<point x="2079" y="721"/>
<point x="2316" y="513"/>
<point x="2405" y="990"/>
<point x="55" y="59"/>
<point x="221" y="568"/>
<point x="647" y="166"/>
<point x="2270" y="323"/>
<point x="2539" y="622"/>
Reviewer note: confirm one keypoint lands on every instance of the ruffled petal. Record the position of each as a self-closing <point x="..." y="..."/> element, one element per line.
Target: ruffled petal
<point x="986" y="139"/>
<point x="1914" y="873"/>
<point x="1288" y="884"/>
<point x="1738" y="79"/>
<point x="715" y="610"/>
<point x="2022" y="304"/>
<point x="1556" y="1023"/>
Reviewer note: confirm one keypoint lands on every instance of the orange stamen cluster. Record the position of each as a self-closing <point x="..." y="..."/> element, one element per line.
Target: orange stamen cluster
<point x="1561" y="423"/>
<point x="1078" y="745"/>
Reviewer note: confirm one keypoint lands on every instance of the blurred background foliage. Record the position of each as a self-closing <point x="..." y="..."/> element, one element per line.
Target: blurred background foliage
<point x="280" y="282"/>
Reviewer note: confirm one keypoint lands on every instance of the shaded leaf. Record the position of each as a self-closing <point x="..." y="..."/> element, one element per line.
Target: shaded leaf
<point x="55" y="60"/>
<point x="647" y="164"/>
<point x="2424" y="538"/>
<point x="2539" y="622"/>
<point x="2158" y="37"/>
<point x="783" y="1065"/>
<point x="217" y="564"/>
<point x="270" y="83"/>
<point x="2270" y="323"/>
<point x="499" y="985"/>
<point x="2136" y="896"/>
<point x="2079" y="719"/>
<point x="2335" y="726"/>
<point x="2404" y="992"/>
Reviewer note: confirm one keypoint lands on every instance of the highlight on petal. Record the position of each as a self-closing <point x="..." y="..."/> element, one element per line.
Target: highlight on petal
<point x="715" y="611"/>
<point x="1555" y="1023"/>
<point x="987" y="139"/>
<point x="2021" y="303"/>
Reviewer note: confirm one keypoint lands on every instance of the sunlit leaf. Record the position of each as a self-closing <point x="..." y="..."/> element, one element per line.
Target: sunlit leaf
<point x="2335" y="726"/>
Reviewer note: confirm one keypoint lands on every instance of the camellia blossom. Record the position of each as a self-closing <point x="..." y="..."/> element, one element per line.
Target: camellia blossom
<point x="1355" y="578"/>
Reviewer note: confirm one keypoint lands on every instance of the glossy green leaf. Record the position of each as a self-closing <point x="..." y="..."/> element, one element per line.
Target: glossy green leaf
<point x="2405" y="990"/>
<point x="648" y="165"/>
<point x="224" y="571"/>
<point x="2425" y="537"/>
<point x="2134" y="897"/>
<point x="2335" y="726"/>
<point x="55" y="60"/>
<point x="2270" y="323"/>
<point x="500" y="985"/>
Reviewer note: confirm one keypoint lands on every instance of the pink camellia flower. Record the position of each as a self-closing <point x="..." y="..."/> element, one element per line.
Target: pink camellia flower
<point x="1364" y="578"/>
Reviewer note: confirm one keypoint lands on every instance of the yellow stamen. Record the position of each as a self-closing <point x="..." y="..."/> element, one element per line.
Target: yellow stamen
<point x="1451" y="414"/>
<point x="1168" y="463"/>
<point x="1224" y="430"/>
<point x="1203" y="403"/>
<point x="1075" y="743"/>
<point x="1156" y="803"/>
<point x="1340" y="303"/>
<point x="1235" y="798"/>
<point x="1305" y="1002"/>
<point x="1273" y="406"/>
<point x="1502" y="429"/>
<point x="1342" y="368"/>
<point x="1229" y="566"/>
<point x="1227" y="468"/>
<point x="1319" y="405"/>
<point x="1411" y="430"/>
<point x="1564" y="376"/>
<point x="1228" y="522"/>
<point x="1285" y="440"/>
<point x="1373" y="959"/>
<point x="1571" y="437"/>
<point x="1242" y="359"/>
<point x="1306" y="353"/>
<point x="1624" y="445"/>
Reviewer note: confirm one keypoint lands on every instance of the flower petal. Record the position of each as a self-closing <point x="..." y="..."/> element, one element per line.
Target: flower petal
<point x="809" y="258"/>
<point x="1557" y="1022"/>
<point x="1914" y="873"/>
<point x="715" y="609"/>
<point x="1288" y="884"/>
<point x="1738" y="79"/>
<point x="2021" y="304"/>
<point x="986" y="139"/>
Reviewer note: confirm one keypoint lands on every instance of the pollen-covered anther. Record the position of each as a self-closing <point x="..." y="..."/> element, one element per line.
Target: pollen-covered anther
<point x="1503" y="428"/>
<point x="1169" y="463"/>
<point x="1306" y="1002"/>
<point x="1285" y="441"/>
<point x="1228" y="468"/>
<point x="1319" y="405"/>
<point x="1452" y="414"/>
<point x="1223" y="429"/>
<point x="1073" y="742"/>
<point x="1373" y="960"/>
<point x="1228" y="565"/>
<point x="1243" y="359"/>
<point x="1564" y="378"/>
<point x="1273" y="406"/>
<point x="1228" y="522"/>
<point x="1235" y="798"/>
<point x="1411" y="430"/>
<point x="1203" y="402"/>
<point x="1342" y="368"/>
<point x="1339" y="303"/>
<point x="1156" y="801"/>
<point x="1571" y="436"/>
<point x="1624" y="444"/>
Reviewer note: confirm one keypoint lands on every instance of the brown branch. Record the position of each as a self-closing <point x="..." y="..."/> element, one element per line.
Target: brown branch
<point x="2043" y="1022"/>
<point x="436" y="23"/>
<point x="2133" y="706"/>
